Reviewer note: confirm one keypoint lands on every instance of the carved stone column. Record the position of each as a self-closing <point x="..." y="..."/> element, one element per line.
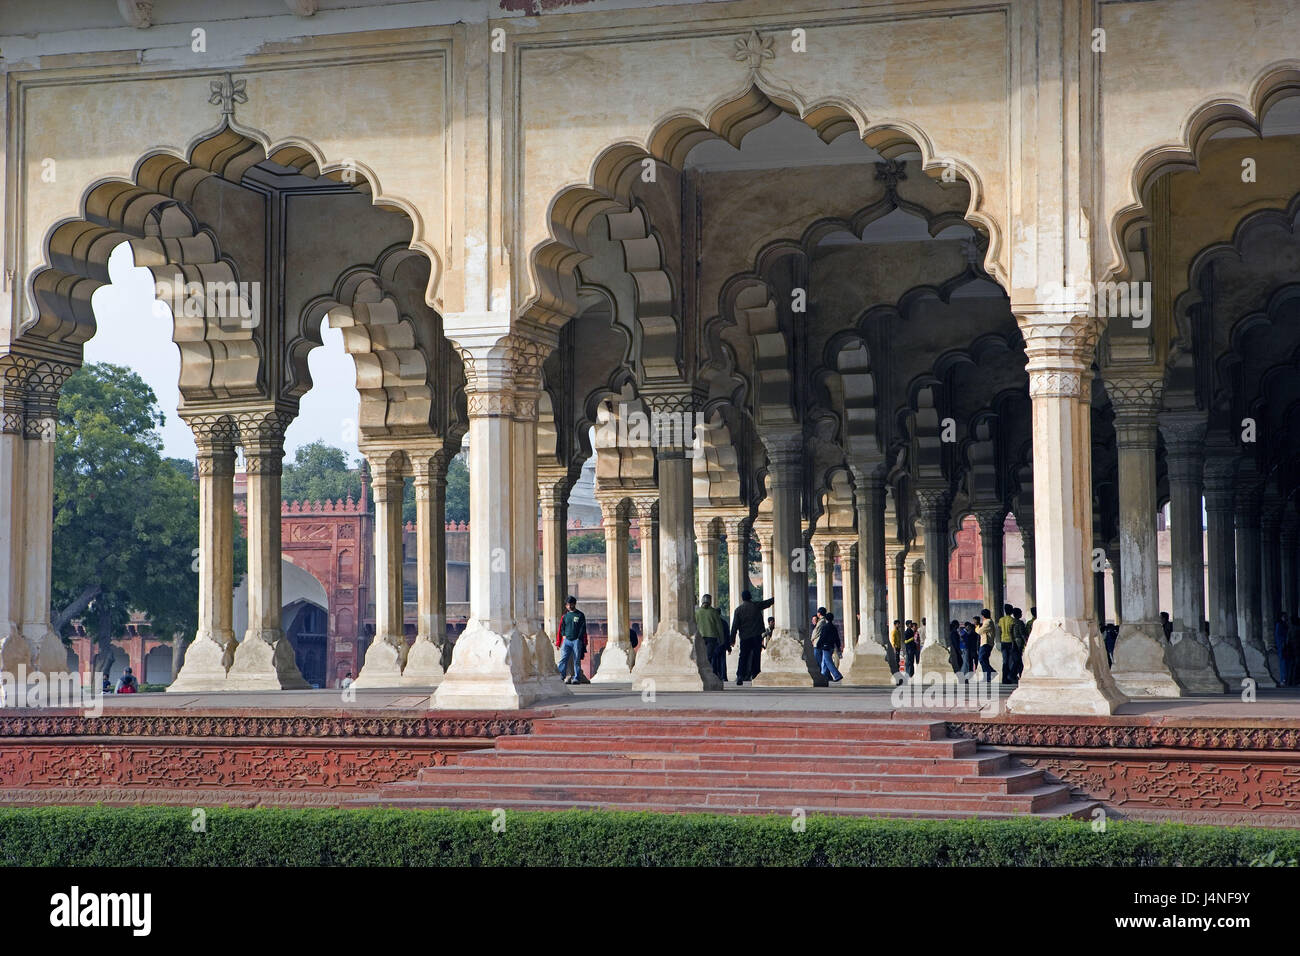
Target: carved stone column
<point x="1031" y="567"/>
<point x="497" y="663"/>
<point x="993" y="555"/>
<point x="48" y="654"/>
<point x="1288" y="539"/>
<point x="1065" y="661"/>
<point x="647" y="510"/>
<point x="618" y="657"/>
<point x="264" y="659"/>
<point x="387" y="652"/>
<point x="736" y="528"/>
<point x="869" y="665"/>
<point x="935" y="505"/>
<point x="1270" y="578"/>
<point x="212" y="651"/>
<point x="847" y="549"/>
<point x="764" y="532"/>
<point x="915" y="579"/>
<point x="553" y="486"/>
<point x="787" y="660"/>
<point x="424" y="661"/>
<point x="14" y="650"/>
<point x="1249" y="627"/>
<point x="706" y="558"/>
<point x="1141" y="667"/>
<point x="1189" y="645"/>
<point x="673" y="658"/>
<point x="1225" y="643"/>
<point x="823" y="549"/>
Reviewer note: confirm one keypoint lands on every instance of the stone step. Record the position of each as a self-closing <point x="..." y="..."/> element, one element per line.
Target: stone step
<point x="726" y="728"/>
<point x="642" y="744"/>
<point x="1077" y="809"/>
<point x="980" y="763"/>
<point x="1010" y="781"/>
<point x="1032" y="800"/>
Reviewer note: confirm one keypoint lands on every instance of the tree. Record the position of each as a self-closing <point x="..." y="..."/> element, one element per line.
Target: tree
<point x="458" y="489"/>
<point x="125" y="519"/>
<point x="593" y="543"/>
<point x="320" y="472"/>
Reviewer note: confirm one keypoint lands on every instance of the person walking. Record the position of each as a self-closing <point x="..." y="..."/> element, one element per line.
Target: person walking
<point x="1110" y="634"/>
<point x="573" y="634"/>
<point x="970" y="645"/>
<point x="954" y="646"/>
<point x="710" y="626"/>
<point x="1019" y="638"/>
<point x="986" y="644"/>
<point x="826" y="642"/>
<point x="127" y="684"/>
<point x="747" y="627"/>
<point x="895" y="646"/>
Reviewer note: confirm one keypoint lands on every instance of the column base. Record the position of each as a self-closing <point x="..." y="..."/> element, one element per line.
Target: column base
<point x="616" y="663"/>
<point x="1257" y="662"/>
<point x="934" y="658"/>
<point x="207" y="660"/>
<point x="1141" y="665"/>
<point x="423" y="664"/>
<point x="1065" y="672"/>
<point x="787" y="662"/>
<point x="14" y="651"/>
<point x="492" y="671"/>
<point x="383" y="664"/>
<point x="672" y="660"/>
<point x="1193" y="664"/>
<point x="264" y="661"/>
<point x="867" y="665"/>
<point x="543" y="675"/>
<point x="48" y="655"/>
<point x="1229" y="660"/>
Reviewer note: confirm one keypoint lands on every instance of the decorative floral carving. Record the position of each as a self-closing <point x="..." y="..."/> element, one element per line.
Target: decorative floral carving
<point x="754" y="50"/>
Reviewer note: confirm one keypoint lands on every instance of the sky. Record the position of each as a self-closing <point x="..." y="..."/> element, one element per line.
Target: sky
<point x="135" y="330"/>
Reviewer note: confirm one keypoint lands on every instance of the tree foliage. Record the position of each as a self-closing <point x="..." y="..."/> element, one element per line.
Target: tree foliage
<point x="320" y="472"/>
<point x="125" y="518"/>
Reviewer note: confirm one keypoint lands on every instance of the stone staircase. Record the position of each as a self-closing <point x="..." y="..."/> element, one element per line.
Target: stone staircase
<point x="832" y="764"/>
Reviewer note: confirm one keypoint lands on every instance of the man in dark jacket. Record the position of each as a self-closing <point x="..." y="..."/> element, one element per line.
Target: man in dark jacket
<point x="573" y="635"/>
<point x="826" y="642"/>
<point x="747" y="627"/>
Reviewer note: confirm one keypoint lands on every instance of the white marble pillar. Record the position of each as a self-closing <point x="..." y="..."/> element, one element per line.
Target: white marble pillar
<point x="916" y="589"/>
<point x="618" y="657"/>
<point x="764" y="533"/>
<point x="495" y="664"/>
<point x="847" y="618"/>
<point x="787" y="659"/>
<point x="424" y="661"/>
<point x="210" y="654"/>
<point x="869" y="665"/>
<point x="1189" y="645"/>
<point x="706" y="558"/>
<point x="1249" y="626"/>
<point x="736" y="528"/>
<point x="673" y="658"/>
<point x="823" y="549"/>
<point x="1270" y="577"/>
<point x="14" y="649"/>
<point x="647" y="510"/>
<point x="553" y="487"/>
<point x="1031" y="568"/>
<point x="935" y="503"/>
<point x="264" y="659"/>
<point x="1288" y="538"/>
<point x="41" y="415"/>
<point x="993" y="555"/>
<point x="386" y="653"/>
<point x="1065" y="668"/>
<point x="1225" y="643"/>
<point x="1141" y="667"/>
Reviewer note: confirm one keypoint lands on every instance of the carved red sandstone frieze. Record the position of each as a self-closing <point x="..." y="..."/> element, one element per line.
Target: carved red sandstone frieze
<point x="1062" y="734"/>
<point x="51" y="724"/>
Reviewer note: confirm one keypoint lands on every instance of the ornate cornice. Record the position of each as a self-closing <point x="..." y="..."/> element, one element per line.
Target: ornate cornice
<point x="1064" y="733"/>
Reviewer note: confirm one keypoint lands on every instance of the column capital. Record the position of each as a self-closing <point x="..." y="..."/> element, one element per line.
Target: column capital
<point x="261" y="433"/>
<point x="1135" y="399"/>
<point x="934" y="501"/>
<point x="1220" y="481"/>
<point x="848" y="549"/>
<point x="1183" y="432"/>
<point x="785" y="450"/>
<point x="735" y="525"/>
<point x="613" y="512"/>
<point x="991" y="521"/>
<point x="213" y="431"/>
<point x="647" y="508"/>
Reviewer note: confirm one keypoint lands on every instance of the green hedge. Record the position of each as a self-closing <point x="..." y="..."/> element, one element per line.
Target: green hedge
<point x="164" y="836"/>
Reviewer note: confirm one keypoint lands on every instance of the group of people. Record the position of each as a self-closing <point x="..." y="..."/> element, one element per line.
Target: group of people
<point x="747" y="628"/>
<point x="970" y="643"/>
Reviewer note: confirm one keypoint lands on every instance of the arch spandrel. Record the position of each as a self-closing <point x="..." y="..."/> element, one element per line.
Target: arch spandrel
<point x="571" y="171"/>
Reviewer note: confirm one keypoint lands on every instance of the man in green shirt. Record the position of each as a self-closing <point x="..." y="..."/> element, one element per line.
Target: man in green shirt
<point x="710" y="626"/>
<point x="573" y="635"/>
